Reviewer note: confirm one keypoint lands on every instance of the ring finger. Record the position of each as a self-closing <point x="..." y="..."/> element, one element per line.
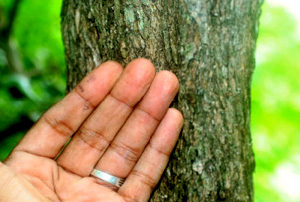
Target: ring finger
<point x="129" y="144"/>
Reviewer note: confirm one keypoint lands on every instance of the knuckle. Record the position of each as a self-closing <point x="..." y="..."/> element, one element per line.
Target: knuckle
<point x="128" y="198"/>
<point x="93" y="139"/>
<point x="79" y="90"/>
<point x="58" y="125"/>
<point x="144" y="178"/>
<point x="126" y="152"/>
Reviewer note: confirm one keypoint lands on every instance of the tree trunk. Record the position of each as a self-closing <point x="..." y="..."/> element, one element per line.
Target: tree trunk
<point x="210" y="46"/>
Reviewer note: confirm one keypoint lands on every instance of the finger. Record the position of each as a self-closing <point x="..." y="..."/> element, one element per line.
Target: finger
<point x="56" y="126"/>
<point x="95" y="135"/>
<point x="126" y="148"/>
<point x="147" y="172"/>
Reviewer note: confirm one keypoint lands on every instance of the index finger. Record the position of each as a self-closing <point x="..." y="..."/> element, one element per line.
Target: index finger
<point x="58" y="124"/>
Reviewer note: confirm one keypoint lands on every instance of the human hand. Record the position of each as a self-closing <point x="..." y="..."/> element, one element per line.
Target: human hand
<point x="120" y="123"/>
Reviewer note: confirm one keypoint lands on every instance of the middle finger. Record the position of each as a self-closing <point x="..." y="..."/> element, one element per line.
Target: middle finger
<point x="129" y="144"/>
<point x="95" y="135"/>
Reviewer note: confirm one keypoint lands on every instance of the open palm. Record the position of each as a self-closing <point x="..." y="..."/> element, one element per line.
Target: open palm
<point x="119" y="122"/>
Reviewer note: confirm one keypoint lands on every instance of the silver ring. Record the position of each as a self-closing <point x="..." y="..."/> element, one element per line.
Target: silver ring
<point x="116" y="181"/>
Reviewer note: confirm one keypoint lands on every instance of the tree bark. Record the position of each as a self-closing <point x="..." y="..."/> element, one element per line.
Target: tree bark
<point x="210" y="45"/>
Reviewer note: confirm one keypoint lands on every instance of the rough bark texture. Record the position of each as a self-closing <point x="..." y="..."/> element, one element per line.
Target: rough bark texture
<point x="210" y="46"/>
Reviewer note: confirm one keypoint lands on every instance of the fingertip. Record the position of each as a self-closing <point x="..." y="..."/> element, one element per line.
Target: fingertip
<point x="171" y="82"/>
<point x="143" y="62"/>
<point x="108" y="70"/>
<point x="98" y="83"/>
<point x="134" y="81"/>
<point x="112" y="68"/>
<point x="175" y="118"/>
<point x="112" y="64"/>
<point x="142" y="69"/>
<point x="177" y="115"/>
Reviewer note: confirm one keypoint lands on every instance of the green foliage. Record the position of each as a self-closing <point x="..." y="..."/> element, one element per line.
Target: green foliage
<point x="9" y="143"/>
<point x="37" y="29"/>
<point x="39" y="81"/>
<point x="275" y="103"/>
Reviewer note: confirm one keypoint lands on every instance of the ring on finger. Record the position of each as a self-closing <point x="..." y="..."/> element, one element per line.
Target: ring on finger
<point x="116" y="181"/>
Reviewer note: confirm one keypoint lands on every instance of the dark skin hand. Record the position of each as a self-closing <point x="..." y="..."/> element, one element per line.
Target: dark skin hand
<point x="120" y="122"/>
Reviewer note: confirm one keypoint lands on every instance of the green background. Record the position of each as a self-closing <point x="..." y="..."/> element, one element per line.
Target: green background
<point x="29" y="91"/>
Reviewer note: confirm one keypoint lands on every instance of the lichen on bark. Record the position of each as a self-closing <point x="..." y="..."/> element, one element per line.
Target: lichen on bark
<point x="210" y="46"/>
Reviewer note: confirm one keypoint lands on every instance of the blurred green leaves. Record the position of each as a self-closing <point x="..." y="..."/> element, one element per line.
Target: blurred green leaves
<point x="276" y="103"/>
<point x="37" y="28"/>
<point x="32" y="78"/>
